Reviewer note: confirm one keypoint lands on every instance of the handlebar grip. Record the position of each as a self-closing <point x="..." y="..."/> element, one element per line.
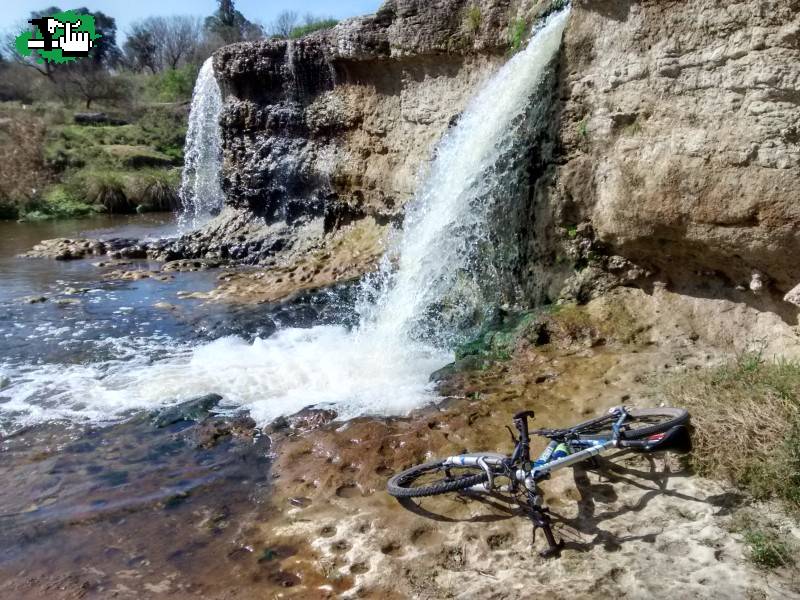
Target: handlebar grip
<point x="525" y="414"/>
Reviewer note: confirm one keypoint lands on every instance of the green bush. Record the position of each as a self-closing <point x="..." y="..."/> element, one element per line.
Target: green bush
<point x="304" y="30"/>
<point x="58" y="203"/>
<point x="8" y="210"/>
<point x="155" y="191"/>
<point x="517" y="30"/>
<point x="104" y="188"/>
<point x="171" y="85"/>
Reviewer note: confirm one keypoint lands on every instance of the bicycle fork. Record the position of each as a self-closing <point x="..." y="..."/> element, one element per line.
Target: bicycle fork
<point x="540" y="517"/>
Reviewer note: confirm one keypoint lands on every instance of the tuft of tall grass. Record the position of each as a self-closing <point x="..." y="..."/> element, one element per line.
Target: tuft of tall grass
<point x="517" y="30"/>
<point x="107" y="189"/>
<point x="746" y="415"/>
<point x="473" y="19"/>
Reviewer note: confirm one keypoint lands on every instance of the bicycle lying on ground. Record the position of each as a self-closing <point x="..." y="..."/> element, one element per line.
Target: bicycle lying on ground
<point x="645" y="430"/>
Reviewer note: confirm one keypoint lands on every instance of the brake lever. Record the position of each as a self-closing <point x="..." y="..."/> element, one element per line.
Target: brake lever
<point x="514" y="440"/>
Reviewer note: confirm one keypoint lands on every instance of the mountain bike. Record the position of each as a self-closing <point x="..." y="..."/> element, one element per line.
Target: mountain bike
<point x="645" y="430"/>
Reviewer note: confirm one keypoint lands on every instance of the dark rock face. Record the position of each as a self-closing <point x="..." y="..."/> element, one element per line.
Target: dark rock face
<point x="335" y="127"/>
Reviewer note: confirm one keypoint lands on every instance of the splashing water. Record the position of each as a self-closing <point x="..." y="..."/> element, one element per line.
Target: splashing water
<point x="410" y="316"/>
<point x="201" y="193"/>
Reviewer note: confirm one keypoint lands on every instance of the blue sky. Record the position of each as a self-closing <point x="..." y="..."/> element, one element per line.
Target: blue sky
<point x="127" y="11"/>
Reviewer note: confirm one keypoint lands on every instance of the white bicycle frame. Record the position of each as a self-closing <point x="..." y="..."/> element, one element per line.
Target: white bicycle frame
<point x="529" y="478"/>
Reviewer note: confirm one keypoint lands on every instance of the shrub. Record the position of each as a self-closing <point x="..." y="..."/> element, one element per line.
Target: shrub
<point x="156" y="191"/>
<point x="106" y="189"/>
<point x="768" y="549"/>
<point x="317" y="25"/>
<point x="171" y="85"/>
<point x="747" y="420"/>
<point x="517" y="30"/>
<point x="57" y="203"/>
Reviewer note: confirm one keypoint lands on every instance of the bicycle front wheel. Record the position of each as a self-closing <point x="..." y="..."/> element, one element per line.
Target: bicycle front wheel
<point x="642" y="423"/>
<point x="434" y="478"/>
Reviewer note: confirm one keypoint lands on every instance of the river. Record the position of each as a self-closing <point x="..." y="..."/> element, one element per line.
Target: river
<point x="95" y="504"/>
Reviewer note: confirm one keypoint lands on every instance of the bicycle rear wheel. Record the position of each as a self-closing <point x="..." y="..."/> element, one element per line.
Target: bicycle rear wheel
<point x="642" y="423"/>
<point x="434" y="478"/>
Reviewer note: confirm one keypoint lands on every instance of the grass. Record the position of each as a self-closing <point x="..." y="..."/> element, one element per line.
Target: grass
<point x="768" y="549"/>
<point x="583" y="128"/>
<point x="517" y="30"/>
<point x="473" y="19"/>
<point x="746" y="415"/>
<point x="58" y="203"/>
<point x="123" y="169"/>
<point x="303" y="30"/>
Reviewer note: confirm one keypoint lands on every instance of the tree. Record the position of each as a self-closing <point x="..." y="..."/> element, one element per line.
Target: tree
<point x="159" y="43"/>
<point x="229" y="25"/>
<point x="141" y="48"/>
<point x="284" y="24"/>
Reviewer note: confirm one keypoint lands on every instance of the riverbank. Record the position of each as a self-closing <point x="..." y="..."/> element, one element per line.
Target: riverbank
<point x="57" y="163"/>
<point x="316" y="522"/>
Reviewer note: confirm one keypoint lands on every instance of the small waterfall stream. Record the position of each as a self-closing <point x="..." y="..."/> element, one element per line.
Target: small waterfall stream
<point x="200" y="192"/>
<point x="437" y="281"/>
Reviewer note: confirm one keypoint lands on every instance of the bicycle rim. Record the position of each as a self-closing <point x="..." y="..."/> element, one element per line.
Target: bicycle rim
<point x="643" y="422"/>
<point x="434" y="478"/>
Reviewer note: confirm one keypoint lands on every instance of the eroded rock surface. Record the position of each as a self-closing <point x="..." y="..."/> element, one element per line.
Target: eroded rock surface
<point x="679" y="124"/>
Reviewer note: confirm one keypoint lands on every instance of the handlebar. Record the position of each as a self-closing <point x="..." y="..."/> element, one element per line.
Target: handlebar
<point x="521" y="423"/>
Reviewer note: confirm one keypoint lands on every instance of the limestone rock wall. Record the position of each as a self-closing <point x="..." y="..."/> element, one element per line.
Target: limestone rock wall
<point x="673" y="154"/>
<point x="679" y="125"/>
<point x="341" y="122"/>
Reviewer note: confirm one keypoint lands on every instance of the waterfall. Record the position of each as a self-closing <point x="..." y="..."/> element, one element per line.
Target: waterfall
<point x="444" y="269"/>
<point x="449" y="265"/>
<point x="201" y="193"/>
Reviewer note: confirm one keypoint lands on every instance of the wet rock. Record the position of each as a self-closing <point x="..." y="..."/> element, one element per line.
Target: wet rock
<point x="71" y="291"/>
<point x="67" y="301"/>
<point x="33" y="299"/>
<point x="136" y="252"/>
<point x="190" y="265"/>
<point x="137" y="275"/>
<point x="165" y="306"/>
<point x="191" y="410"/>
<point x="213" y="429"/>
<point x="444" y="373"/>
<point x="66" y="249"/>
<point x="74" y="249"/>
<point x="310" y="419"/>
<point x="793" y="297"/>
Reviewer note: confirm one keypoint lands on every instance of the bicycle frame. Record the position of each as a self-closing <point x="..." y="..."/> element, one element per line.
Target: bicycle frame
<point x="519" y="469"/>
<point x="521" y="472"/>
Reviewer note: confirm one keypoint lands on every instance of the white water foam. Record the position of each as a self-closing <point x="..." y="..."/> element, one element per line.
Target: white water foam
<point x="201" y="192"/>
<point x="381" y="367"/>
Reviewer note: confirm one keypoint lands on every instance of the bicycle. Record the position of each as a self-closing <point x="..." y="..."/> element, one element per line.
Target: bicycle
<point x="646" y="430"/>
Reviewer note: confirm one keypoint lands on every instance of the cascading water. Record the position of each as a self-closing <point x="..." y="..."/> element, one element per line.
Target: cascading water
<point x="201" y="193"/>
<point x="409" y="316"/>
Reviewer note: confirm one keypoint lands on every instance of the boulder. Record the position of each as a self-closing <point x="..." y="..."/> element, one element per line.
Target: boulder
<point x="196" y="409"/>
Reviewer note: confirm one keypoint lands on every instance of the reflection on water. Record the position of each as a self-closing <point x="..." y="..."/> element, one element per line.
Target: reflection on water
<point x="88" y="510"/>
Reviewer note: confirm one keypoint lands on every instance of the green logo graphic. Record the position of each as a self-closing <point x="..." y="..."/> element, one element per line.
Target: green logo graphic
<point x="59" y="38"/>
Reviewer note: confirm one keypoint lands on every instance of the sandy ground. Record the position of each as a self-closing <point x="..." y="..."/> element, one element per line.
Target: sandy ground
<point x="638" y="527"/>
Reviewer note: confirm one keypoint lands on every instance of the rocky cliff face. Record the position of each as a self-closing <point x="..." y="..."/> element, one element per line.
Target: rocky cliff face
<point x="673" y="153"/>
<point x="678" y="124"/>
